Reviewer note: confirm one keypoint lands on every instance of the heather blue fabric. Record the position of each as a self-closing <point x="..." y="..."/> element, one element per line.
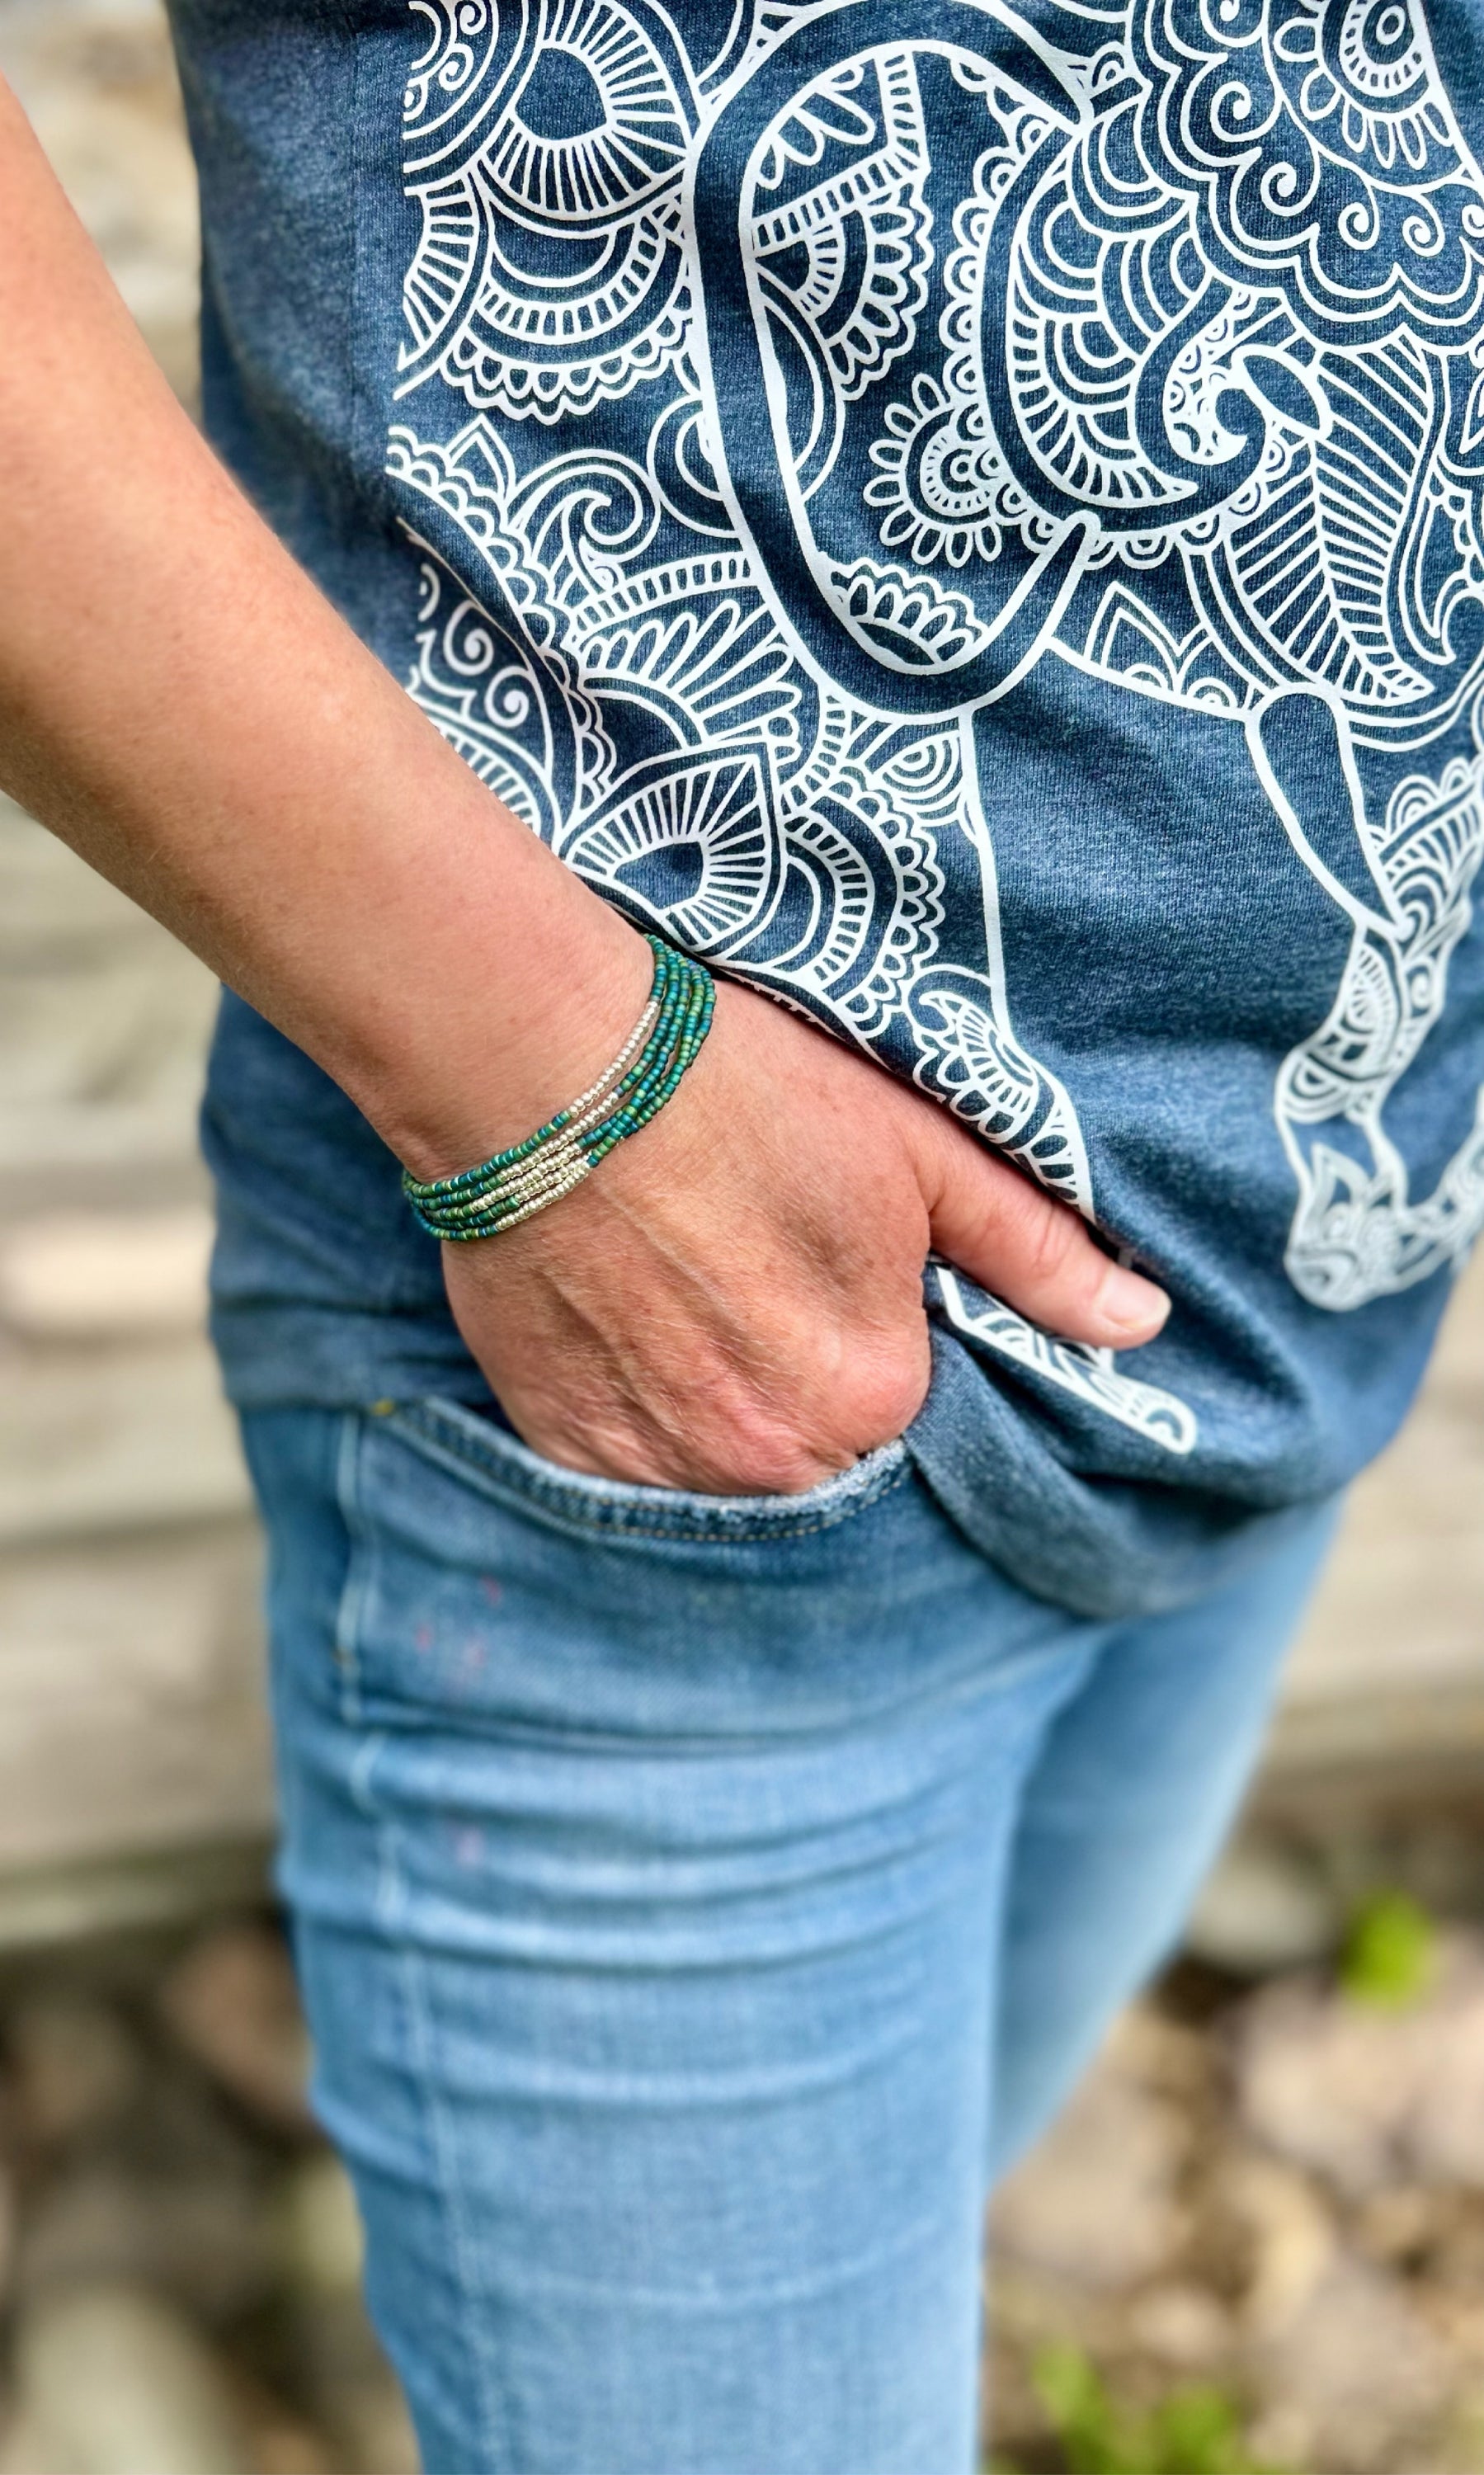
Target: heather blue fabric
<point x="972" y="520"/>
<point x="696" y="1905"/>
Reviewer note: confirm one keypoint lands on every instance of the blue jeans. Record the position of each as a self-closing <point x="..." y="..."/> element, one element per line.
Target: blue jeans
<point x="697" y="1903"/>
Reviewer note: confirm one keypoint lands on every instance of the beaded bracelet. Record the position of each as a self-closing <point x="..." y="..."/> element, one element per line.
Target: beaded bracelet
<point x="532" y="1175"/>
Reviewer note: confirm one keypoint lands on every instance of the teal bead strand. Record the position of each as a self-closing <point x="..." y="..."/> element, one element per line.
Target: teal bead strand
<point x="527" y="1177"/>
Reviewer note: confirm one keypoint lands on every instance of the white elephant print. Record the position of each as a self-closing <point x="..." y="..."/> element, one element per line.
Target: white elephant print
<point x="1143" y="336"/>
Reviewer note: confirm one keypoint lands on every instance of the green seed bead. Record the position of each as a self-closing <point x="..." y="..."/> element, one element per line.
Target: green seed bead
<point x="515" y="1184"/>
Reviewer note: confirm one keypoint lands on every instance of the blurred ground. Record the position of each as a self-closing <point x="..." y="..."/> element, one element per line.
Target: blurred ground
<point x="1275" y="2189"/>
<point x="179" y="2256"/>
<point x="1273" y="2182"/>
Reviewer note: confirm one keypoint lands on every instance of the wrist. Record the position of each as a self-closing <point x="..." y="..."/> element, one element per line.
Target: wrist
<point x="528" y="1023"/>
<point x="498" y="1193"/>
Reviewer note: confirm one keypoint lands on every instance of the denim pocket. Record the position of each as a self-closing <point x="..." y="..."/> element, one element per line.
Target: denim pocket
<point x="488" y="1587"/>
<point x="496" y="1461"/>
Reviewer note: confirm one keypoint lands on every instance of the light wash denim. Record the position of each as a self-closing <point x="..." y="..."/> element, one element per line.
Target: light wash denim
<point x="697" y="1902"/>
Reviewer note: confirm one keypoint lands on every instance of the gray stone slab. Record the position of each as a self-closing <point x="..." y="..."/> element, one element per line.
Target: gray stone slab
<point x="103" y="1022"/>
<point x="1389" y="1674"/>
<point x="97" y="79"/>
<point x="101" y="1440"/>
<point x="133" y="1717"/>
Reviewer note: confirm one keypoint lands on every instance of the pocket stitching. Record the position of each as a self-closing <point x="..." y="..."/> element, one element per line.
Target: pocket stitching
<point x="416" y="1420"/>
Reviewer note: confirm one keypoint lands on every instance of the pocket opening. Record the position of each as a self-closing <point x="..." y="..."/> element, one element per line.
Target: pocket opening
<point x="493" y="1456"/>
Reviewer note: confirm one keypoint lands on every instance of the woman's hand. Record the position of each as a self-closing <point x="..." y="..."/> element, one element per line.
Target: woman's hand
<point x="733" y="1300"/>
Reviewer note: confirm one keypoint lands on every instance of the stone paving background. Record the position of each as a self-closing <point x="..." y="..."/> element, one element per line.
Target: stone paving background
<point x="1274" y="2182"/>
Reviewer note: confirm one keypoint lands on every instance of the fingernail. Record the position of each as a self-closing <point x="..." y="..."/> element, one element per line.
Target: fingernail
<point x="1131" y="1304"/>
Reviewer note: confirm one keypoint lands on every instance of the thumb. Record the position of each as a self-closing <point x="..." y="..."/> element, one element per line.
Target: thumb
<point x="1034" y="1252"/>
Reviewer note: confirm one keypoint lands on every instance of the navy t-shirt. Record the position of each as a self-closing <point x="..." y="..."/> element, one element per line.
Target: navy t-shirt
<point x="972" y="519"/>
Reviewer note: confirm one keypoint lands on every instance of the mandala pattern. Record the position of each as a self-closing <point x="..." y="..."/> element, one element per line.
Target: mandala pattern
<point x="1144" y="335"/>
<point x="1356" y="1230"/>
<point x="1088" y="1373"/>
<point x="546" y="149"/>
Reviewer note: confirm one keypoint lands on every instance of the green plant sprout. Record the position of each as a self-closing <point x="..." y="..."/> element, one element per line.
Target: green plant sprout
<point x="1390" y="1954"/>
<point x="1193" y="2432"/>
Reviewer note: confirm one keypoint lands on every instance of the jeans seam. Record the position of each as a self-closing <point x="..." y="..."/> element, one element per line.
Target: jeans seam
<point x="345" y="1646"/>
<point x="546" y="1497"/>
<point x="390" y="1900"/>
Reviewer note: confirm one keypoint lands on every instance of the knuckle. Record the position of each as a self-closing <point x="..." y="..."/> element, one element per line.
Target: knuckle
<point x="1052" y="1240"/>
<point x="890" y="1391"/>
<point x="760" y="1452"/>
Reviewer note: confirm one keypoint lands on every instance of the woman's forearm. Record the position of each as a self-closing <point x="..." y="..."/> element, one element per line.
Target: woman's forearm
<point x="183" y="705"/>
<point x="736" y="1304"/>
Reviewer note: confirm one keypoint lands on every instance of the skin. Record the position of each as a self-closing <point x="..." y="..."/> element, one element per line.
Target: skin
<point x="733" y="1303"/>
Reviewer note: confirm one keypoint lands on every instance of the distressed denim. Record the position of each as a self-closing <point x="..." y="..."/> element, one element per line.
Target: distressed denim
<point x="697" y="1904"/>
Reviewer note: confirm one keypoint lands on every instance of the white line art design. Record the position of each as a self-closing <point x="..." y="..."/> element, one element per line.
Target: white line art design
<point x="1146" y="336"/>
<point x="1150" y="1411"/>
